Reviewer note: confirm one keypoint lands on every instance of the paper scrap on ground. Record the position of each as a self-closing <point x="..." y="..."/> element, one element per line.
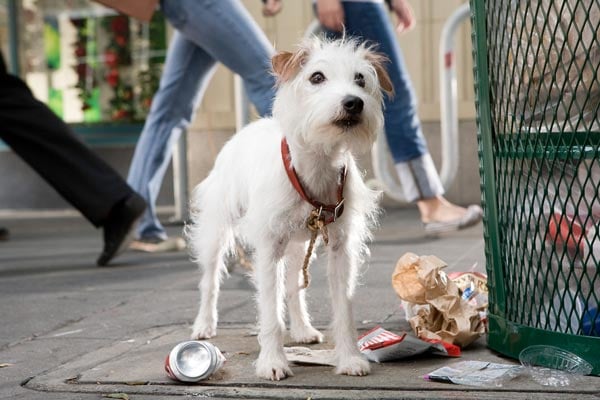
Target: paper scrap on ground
<point x="475" y="373"/>
<point x="304" y="355"/>
<point x="434" y="304"/>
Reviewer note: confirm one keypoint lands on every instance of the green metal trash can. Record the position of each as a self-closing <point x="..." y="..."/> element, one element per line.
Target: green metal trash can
<point x="537" y="78"/>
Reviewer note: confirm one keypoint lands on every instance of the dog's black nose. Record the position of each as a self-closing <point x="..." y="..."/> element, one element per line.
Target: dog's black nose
<point x="353" y="105"/>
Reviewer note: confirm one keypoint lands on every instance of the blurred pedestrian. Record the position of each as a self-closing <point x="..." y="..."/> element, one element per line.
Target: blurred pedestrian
<point x="369" y="20"/>
<point x="206" y="32"/>
<point x="49" y="146"/>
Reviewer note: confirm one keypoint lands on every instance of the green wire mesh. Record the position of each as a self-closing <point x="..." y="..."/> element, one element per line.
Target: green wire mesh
<point x="540" y="93"/>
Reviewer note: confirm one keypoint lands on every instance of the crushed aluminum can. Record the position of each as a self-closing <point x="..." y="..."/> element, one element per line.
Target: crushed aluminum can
<point x="193" y="361"/>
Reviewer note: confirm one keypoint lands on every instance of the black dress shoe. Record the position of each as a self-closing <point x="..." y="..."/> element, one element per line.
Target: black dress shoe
<point x="118" y="228"/>
<point x="4" y="233"/>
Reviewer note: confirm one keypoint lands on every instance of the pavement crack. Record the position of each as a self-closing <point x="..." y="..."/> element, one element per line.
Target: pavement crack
<point x="26" y="381"/>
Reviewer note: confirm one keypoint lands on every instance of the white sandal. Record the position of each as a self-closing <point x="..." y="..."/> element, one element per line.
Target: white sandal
<point x="159" y="246"/>
<point x="472" y="217"/>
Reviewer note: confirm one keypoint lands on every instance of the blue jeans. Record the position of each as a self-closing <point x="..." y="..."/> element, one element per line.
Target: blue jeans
<point x="207" y="32"/>
<point x="370" y="22"/>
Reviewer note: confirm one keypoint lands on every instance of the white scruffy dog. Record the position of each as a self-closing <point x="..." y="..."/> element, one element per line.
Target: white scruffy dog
<point x="328" y="107"/>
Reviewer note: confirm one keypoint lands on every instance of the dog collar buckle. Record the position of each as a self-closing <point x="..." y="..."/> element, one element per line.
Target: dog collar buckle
<point x="338" y="210"/>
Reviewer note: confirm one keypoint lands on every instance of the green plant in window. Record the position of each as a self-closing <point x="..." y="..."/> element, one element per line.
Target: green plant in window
<point x="93" y="112"/>
<point x="148" y="81"/>
<point x="117" y="62"/>
<point x="55" y="101"/>
<point x="52" y="43"/>
<point x="84" y="49"/>
<point x="158" y="38"/>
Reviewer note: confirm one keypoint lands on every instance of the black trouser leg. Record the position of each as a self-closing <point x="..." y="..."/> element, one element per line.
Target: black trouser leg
<point x="49" y="146"/>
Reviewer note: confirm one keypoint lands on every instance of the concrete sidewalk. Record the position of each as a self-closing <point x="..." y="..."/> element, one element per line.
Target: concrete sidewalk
<point x="70" y="330"/>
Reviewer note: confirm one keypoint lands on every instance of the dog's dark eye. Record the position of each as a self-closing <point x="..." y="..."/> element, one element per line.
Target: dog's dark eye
<point x="359" y="79"/>
<point x="317" y="78"/>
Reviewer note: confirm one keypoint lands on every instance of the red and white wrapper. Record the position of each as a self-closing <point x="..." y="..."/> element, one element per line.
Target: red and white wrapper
<point x="380" y="345"/>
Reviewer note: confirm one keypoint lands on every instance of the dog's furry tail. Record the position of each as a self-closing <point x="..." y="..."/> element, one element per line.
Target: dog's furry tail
<point x="209" y="234"/>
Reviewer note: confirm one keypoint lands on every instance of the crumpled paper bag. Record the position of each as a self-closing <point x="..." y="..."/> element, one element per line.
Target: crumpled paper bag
<point x="437" y="310"/>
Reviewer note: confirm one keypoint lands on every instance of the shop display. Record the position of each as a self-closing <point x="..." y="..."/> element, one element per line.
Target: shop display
<point x="90" y="64"/>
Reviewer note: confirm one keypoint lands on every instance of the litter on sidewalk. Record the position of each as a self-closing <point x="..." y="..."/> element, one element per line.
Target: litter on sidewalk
<point x="380" y="345"/>
<point x="437" y="307"/>
<point x="475" y="373"/>
<point x="193" y="361"/>
<point x="552" y="366"/>
<point x="305" y="355"/>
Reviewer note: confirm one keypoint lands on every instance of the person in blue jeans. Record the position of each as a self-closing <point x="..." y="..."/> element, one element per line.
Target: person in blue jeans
<point x="207" y="32"/>
<point x="369" y="20"/>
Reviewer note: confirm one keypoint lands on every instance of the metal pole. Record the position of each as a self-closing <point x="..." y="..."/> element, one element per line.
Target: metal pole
<point x="180" y="179"/>
<point x="386" y="177"/>
<point x="448" y="96"/>
<point x="13" y="36"/>
<point x="242" y="104"/>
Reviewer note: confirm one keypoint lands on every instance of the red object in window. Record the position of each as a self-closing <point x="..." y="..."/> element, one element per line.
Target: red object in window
<point x="112" y="77"/>
<point x="565" y="230"/>
<point x="111" y="58"/>
<point x="120" y="24"/>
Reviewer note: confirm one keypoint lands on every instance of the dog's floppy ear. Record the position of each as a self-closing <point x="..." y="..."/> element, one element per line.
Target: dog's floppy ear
<point x="378" y="62"/>
<point x="287" y="64"/>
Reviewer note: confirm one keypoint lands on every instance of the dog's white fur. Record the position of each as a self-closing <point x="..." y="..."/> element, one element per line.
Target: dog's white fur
<point x="249" y="195"/>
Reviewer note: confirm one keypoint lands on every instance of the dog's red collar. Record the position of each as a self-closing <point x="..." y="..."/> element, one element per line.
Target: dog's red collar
<point x="328" y="212"/>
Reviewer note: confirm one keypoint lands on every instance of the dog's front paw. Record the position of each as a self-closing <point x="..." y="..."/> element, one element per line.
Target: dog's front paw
<point x="306" y="335"/>
<point x="353" y="365"/>
<point x="203" y="331"/>
<point x="273" y="369"/>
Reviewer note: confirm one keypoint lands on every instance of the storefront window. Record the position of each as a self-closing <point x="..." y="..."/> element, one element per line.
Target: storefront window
<point x="88" y="63"/>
